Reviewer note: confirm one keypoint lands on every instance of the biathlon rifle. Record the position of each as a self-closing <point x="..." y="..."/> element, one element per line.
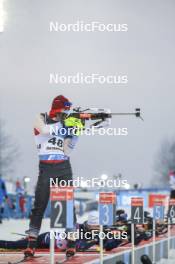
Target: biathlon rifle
<point x="100" y="115"/>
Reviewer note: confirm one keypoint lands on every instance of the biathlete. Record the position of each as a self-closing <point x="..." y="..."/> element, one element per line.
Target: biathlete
<point x="53" y="150"/>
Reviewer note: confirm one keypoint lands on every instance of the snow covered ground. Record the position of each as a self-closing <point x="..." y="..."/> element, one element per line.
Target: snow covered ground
<point x="8" y="227"/>
<point x="171" y="259"/>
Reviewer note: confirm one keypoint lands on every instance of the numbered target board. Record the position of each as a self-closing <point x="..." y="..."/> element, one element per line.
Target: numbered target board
<point x="62" y="207"/>
<point x="171" y="211"/>
<point x="137" y="210"/>
<point x="107" y="208"/>
<point x="158" y="209"/>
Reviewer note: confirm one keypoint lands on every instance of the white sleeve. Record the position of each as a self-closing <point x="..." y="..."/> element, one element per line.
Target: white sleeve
<point x="69" y="144"/>
<point x="40" y="126"/>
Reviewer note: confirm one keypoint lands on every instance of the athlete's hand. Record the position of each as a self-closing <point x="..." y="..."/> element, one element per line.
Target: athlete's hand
<point x="75" y="123"/>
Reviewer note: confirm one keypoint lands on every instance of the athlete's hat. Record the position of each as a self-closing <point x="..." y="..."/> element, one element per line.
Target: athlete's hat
<point x="59" y="104"/>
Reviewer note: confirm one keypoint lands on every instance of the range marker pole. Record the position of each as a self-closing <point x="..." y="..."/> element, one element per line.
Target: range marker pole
<point x="154" y="241"/>
<point x="137" y="217"/>
<point x="158" y="214"/>
<point x="62" y="214"/>
<point x="107" y="207"/>
<point x="171" y="217"/>
<point x="132" y="241"/>
<point x="169" y="236"/>
<point x="101" y="245"/>
<point x="52" y="248"/>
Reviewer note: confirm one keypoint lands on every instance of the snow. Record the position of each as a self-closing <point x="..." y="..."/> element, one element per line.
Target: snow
<point x="8" y="227"/>
<point x="171" y="259"/>
<point x="18" y="226"/>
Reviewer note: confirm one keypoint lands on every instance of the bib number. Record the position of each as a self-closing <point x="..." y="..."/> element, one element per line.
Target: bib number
<point x="56" y="141"/>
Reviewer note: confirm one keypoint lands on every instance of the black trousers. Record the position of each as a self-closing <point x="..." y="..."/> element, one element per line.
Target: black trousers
<point x="62" y="171"/>
<point x="172" y="194"/>
<point x="22" y="243"/>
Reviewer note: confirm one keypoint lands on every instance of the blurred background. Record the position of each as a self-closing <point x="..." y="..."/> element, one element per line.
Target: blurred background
<point x="29" y="52"/>
<point x="145" y="53"/>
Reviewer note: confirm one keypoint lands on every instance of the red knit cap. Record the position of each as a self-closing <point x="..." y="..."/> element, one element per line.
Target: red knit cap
<point x="59" y="104"/>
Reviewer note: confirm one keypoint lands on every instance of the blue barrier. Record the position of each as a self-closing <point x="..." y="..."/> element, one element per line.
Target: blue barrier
<point x="85" y="204"/>
<point x="29" y="200"/>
